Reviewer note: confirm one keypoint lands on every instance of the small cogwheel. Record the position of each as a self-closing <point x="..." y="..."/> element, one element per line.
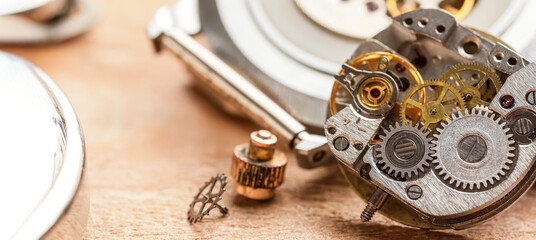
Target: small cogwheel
<point x="207" y="199"/>
<point x="474" y="150"/>
<point x="405" y="151"/>
<point x="433" y="110"/>
<point x="478" y="83"/>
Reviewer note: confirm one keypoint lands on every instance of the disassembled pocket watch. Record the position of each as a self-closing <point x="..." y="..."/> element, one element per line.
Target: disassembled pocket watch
<point x="431" y="122"/>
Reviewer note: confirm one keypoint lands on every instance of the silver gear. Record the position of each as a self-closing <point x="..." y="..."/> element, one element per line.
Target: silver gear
<point x="209" y="195"/>
<point x="405" y="151"/>
<point x="483" y="152"/>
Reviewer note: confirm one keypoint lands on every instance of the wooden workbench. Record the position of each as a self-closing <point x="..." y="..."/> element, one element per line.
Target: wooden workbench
<point x="152" y="141"/>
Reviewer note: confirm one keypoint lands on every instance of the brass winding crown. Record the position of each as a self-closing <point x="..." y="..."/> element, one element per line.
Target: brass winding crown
<point x="257" y="167"/>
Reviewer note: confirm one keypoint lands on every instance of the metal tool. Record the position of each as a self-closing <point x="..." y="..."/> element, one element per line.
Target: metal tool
<point x="310" y="149"/>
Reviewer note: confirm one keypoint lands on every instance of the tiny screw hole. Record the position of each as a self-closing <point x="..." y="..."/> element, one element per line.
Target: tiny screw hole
<point x="499" y="56"/>
<point x="512" y="61"/>
<point x="470" y="47"/>
<point x="440" y="29"/>
<point x="423" y="21"/>
<point x="408" y="21"/>
<point x="332" y="130"/>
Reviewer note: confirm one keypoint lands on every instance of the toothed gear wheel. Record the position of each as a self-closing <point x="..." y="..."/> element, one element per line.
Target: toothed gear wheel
<point x="405" y="151"/>
<point x="435" y="109"/>
<point x="207" y="198"/>
<point x="474" y="151"/>
<point x="478" y="83"/>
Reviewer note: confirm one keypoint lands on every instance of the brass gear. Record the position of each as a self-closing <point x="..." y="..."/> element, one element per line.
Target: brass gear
<point x="433" y="111"/>
<point x="459" y="8"/>
<point x="208" y="198"/>
<point x="475" y="94"/>
<point x="369" y="62"/>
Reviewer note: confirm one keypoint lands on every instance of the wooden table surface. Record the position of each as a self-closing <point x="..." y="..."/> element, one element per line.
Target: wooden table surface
<point x="152" y="141"/>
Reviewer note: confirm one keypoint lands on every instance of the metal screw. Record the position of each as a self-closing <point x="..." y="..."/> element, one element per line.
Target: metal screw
<point x="368" y="213"/>
<point x="341" y="143"/>
<point x="405" y="148"/>
<point x="414" y="192"/>
<point x="358" y="145"/>
<point x="433" y="111"/>
<point x="531" y="97"/>
<point x="523" y="126"/>
<point x="375" y="202"/>
<point x="472" y="148"/>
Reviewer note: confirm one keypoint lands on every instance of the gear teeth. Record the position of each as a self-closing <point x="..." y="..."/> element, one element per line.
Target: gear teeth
<point x="435" y="82"/>
<point x="509" y="160"/>
<point x="211" y="198"/>
<point x="473" y="111"/>
<point x="383" y="160"/>
<point x="474" y="66"/>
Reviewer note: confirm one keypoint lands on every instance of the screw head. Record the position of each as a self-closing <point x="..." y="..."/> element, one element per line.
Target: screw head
<point x="523" y="126"/>
<point x="414" y="192"/>
<point x="341" y="143"/>
<point x="472" y="148"/>
<point x="405" y="148"/>
<point x="358" y="145"/>
<point x="531" y="97"/>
